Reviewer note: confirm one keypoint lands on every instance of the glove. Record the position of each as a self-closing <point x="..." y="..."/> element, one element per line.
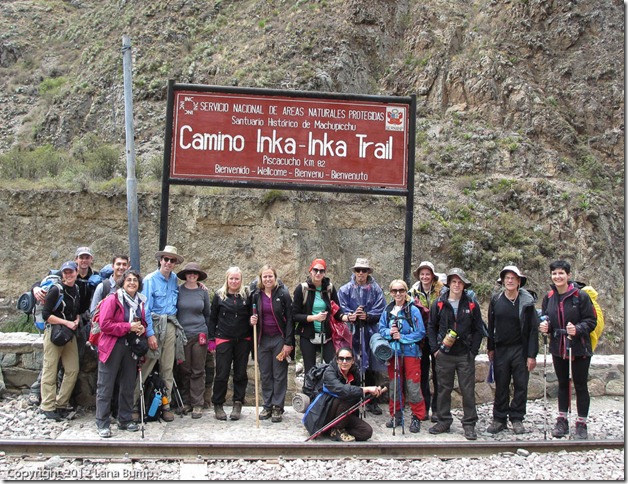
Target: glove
<point x="211" y="345"/>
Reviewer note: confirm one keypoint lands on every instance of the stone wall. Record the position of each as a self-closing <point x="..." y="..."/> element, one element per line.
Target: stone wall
<point x="21" y="357"/>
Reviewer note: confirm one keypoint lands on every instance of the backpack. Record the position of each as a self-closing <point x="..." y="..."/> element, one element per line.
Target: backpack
<point x="155" y="397"/>
<point x="94" y="333"/>
<point x="52" y="279"/>
<point x="313" y="381"/>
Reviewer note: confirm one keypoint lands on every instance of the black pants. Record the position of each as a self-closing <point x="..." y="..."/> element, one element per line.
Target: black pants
<point x="510" y="363"/>
<point x="580" y="375"/>
<point x="429" y="398"/>
<point x="309" y="350"/>
<point x="352" y="423"/>
<point x="228" y="352"/>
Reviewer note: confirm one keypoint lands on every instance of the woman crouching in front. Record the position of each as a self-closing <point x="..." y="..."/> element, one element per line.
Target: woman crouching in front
<point x="342" y="379"/>
<point x="121" y="313"/>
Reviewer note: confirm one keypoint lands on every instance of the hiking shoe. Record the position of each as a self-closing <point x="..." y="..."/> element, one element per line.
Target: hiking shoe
<point x="415" y="425"/>
<point x="469" y="432"/>
<point x="128" y="426"/>
<point x="187" y="408"/>
<point x="236" y="412"/>
<point x="341" y="435"/>
<point x="34" y="399"/>
<point x="397" y="421"/>
<point x="581" y="431"/>
<point x="373" y="408"/>
<point x="52" y="415"/>
<point x="265" y="414"/>
<point x="518" y="428"/>
<point x="434" y="418"/>
<point x="439" y="428"/>
<point x="497" y="426"/>
<point x="166" y="414"/>
<point x="219" y="411"/>
<point x="561" y="428"/>
<point x="104" y="432"/>
<point x="276" y="415"/>
<point x="197" y="412"/>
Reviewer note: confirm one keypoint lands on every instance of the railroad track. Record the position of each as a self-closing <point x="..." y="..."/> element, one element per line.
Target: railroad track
<point x="136" y="450"/>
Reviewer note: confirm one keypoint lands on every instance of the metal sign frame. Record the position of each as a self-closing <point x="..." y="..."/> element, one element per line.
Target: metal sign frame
<point x="407" y="191"/>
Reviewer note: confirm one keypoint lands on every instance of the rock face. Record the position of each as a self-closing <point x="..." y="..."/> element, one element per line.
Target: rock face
<point x="519" y="145"/>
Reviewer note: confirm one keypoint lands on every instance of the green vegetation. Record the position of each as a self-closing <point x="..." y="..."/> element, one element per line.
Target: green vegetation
<point x="19" y="324"/>
<point x="271" y="195"/>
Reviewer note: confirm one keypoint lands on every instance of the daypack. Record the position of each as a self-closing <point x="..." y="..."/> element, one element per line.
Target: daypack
<point x="94" y="333"/>
<point x="313" y="381"/>
<point x="52" y="279"/>
<point x="155" y="397"/>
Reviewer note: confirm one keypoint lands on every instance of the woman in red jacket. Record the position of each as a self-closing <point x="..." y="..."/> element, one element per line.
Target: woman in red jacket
<point x="121" y="314"/>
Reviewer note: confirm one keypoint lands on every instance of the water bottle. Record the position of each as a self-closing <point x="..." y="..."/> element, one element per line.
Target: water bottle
<point x="152" y="411"/>
<point x="448" y="341"/>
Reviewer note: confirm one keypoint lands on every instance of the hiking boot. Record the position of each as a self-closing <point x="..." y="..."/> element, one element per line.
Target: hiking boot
<point x="236" y="412"/>
<point x="128" y="426"/>
<point x="561" y="428"/>
<point x="265" y="414"/>
<point x="581" y="431"/>
<point x="197" y="412"/>
<point x="439" y="428"/>
<point x="187" y="408"/>
<point x="341" y="435"/>
<point x="497" y="426"/>
<point x="219" y="411"/>
<point x="518" y="428"/>
<point x="415" y="425"/>
<point x="104" y="432"/>
<point x="373" y="408"/>
<point x="397" y="421"/>
<point x="166" y="414"/>
<point x="52" y="415"/>
<point x="276" y="415"/>
<point x="469" y="432"/>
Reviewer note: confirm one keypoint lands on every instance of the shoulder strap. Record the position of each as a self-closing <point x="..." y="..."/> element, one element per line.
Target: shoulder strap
<point x="106" y="288"/>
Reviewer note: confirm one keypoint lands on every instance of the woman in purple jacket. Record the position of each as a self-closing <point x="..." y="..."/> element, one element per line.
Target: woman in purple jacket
<point x="121" y="313"/>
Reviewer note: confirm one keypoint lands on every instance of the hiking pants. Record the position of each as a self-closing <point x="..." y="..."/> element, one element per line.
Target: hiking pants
<point x="309" y="350"/>
<point x="510" y="363"/>
<point x="447" y="366"/>
<point x="122" y="366"/>
<point x="408" y="386"/>
<point x="429" y="397"/>
<point x="230" y="351"/>
<point x="273" y="373"/>
<point x="68" y="355"/>
<point x="580" y="370"/>
<point x="352" y="423"/>
<point x="192" y="372"/>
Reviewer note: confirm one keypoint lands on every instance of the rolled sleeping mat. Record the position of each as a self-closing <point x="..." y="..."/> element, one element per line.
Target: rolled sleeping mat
<point x="380" y="347"/>
<point x="300" y="402"/>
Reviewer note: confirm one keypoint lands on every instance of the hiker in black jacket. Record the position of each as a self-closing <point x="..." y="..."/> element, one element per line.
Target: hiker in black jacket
<point x="513" y="344"/>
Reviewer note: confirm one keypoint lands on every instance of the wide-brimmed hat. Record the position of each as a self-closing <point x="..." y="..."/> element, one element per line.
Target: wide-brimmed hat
<point x="192" y="267"/>
<point x="361" y="263"/>
<point x="456" y="271"/>
<point x="169" y="251"/>
<point x="515" y="270"/>
<point x="423" y="265"/>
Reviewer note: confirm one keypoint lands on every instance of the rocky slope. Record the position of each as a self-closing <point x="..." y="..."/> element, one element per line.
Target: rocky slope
<point x="520" y="135"/>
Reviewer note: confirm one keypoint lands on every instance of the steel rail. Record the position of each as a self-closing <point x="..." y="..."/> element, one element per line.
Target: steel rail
<point x="136" y="450"/>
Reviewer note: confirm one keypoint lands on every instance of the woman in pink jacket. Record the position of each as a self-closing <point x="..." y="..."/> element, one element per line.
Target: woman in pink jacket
<point x="121" y="319"/>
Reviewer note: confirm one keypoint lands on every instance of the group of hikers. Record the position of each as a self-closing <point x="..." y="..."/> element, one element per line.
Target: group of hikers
<point x="434" y="330"/>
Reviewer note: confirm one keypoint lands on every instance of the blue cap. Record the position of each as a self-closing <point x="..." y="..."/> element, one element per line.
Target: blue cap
<point x="69" y="264"/>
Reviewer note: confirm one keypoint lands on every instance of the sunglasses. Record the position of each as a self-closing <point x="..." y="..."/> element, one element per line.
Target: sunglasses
<point x="397" y="291"/>
<point x="170" y="259"/>
<point x="344" y="359"/>
<point x="318" y="271"/>
<point x="360" y="270"/>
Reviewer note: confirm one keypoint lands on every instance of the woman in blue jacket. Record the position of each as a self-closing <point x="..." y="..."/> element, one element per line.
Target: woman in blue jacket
<point x="401" y="324"/>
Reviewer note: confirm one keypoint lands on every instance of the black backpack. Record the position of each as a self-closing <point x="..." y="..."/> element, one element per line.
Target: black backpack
<point x="154" y="390"/>
<point x="313" y="381"/>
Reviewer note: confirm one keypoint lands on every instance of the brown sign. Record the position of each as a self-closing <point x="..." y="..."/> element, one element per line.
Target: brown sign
<point x="277" y="139"/>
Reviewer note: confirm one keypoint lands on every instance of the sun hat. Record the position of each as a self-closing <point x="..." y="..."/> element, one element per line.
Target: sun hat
<point x="192" y="267"/>
<point x="361" y="263"/>
<point x="456" y="271"/>
<point x="169" y="251"/>
<point x="423" y="265"/>
<point x="515" y="270"/>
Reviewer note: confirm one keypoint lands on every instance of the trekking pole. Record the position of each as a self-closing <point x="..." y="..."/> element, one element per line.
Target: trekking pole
<point x="142" y="408"/>
<point x="362" y="371"/>
<point x="256" y="369"/>
<point x="394" y="417"/>
<point x="177" y="395"/>
<point x="341" y="416"/>
<point x="569" y="341"/>
<point x="545" y="386"/>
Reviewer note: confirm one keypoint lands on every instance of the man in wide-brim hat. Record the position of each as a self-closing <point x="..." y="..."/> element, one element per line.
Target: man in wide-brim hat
<point x="166" y="338"/>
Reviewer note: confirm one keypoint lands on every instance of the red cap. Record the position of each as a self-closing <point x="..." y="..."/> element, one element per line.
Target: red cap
<point x="318" y="261"/>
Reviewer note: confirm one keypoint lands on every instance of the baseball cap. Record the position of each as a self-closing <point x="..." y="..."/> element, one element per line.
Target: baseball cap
<point x="69" y="264"/>
<point x="83" y="250"/>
